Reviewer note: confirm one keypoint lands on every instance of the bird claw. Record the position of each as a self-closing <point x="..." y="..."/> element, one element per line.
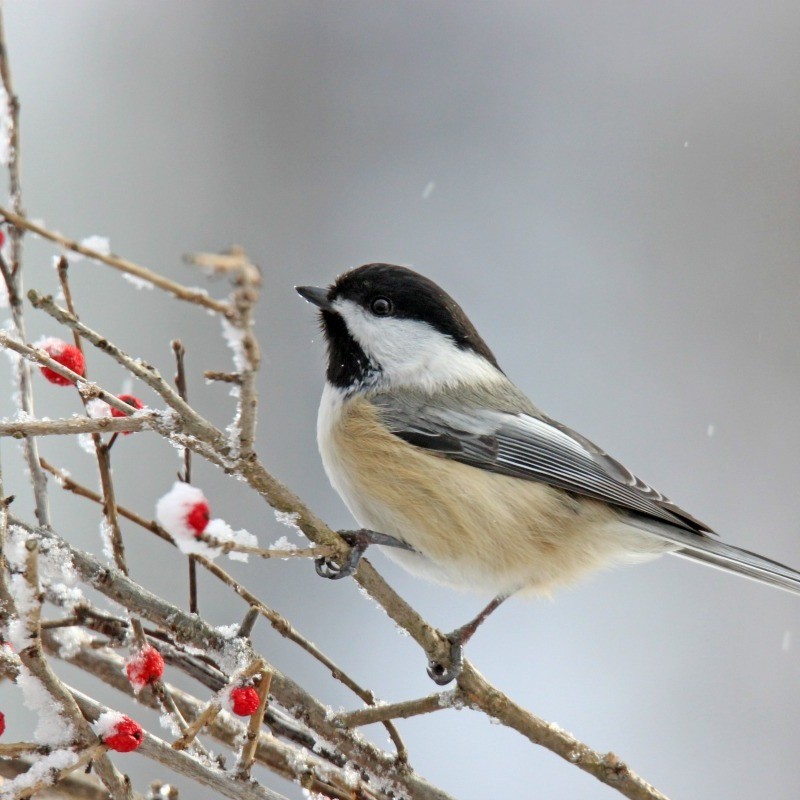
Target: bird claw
<point x="442" y="673"/>
<point x="328" y="567"/>
<point x="359" y="541"/>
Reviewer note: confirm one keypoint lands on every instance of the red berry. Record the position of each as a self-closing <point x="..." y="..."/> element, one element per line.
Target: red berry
<point x="145" y="667"/>
<point x="2" y="237"/>
<point x="65" y="354"/>
<point x="125" y="737"/>
<point x="131" y="401"/>
<point x="244" y="700"/>
<point x="2" y="723"/>
<point x="198" y="517"/>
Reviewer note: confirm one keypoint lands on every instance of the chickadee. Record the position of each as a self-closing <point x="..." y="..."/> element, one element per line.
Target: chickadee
<point x="437" y="453"/>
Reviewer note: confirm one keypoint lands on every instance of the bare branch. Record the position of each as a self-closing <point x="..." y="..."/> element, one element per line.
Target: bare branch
<point x="254" y="726"/>
<point x="12" y="275"/>
<point x="196" y="296"/>
<point x="183" y="391"/>
<point x="180" y="384"/>
<point x="248" y="623"/>
<point x="408" y="708"/>
<point x="23" y="380"/>
<point x="223" y="377"/>
<point x="77" y="425"/>
<point x="246" y="277"/>
<point x="14" y="185"/>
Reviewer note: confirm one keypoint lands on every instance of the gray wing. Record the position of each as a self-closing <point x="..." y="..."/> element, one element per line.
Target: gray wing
<point x="529" y="445"/>
<point x="525" y="445"/>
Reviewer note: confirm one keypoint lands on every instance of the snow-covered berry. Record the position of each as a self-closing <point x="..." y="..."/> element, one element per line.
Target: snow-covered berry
<point x="131" y="401"/>
<point x="144" y="667"/>
<point x="2" y="723"/>
<point x="124" y="736"/>
<point x="198" y="517"/>
<point x="65" y="354"/>
<point x="244" y="701"/>
<point x="183" y="511"/>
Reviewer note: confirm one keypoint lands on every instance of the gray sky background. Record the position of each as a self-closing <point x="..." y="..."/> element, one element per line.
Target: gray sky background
<point x="613" y="194"/>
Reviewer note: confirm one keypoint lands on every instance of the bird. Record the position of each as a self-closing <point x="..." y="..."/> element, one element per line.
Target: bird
<point x="445" y="462"/>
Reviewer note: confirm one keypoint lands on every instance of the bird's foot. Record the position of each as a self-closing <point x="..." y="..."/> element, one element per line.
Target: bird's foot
<point x="447" y="670"/>
<point x="443" y="672"/>
<point x="359" y="541"/>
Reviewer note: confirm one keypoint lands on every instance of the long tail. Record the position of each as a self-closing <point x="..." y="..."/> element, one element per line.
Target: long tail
<point x="707" y="550"/>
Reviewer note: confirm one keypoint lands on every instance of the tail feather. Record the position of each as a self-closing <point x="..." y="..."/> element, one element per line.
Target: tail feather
<point x="707" y="550"/>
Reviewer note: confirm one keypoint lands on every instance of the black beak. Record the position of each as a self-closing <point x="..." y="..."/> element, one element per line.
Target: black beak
<point x="315" y="295"/>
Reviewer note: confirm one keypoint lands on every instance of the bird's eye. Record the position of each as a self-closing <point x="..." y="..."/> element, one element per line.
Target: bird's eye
<point x="381" y="306"/>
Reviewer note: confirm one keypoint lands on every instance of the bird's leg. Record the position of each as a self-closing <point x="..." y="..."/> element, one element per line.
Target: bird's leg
<point x="443" y="673"/>
<point x="359" y="541"/>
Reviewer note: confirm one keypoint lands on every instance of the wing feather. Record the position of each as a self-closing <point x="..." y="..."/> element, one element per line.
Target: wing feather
<point x="526" y="445"/>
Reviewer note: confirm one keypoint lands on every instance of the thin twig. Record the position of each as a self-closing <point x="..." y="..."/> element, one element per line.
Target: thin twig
<point x="408" y="708"/>
<point x="248" y="755"/>
<point x="14" y="184"/>
<point x="63" y="276"/>
<point x="71" y="485"/>
<point x="77" y="425"/>
<point x="180" y="384"/>
<point x="65" y="622"/>
<point x="183" y="392"/>
<point x="246" y="277"/>
<point x="196" y="296"/>
<point x="23" y="380"/>
<point x="110" y="507"/>
<point x="222" y="377"/>
<point x="12" y="276"/>
<point x="248" y="623"/>
<point x="114" y="532"/>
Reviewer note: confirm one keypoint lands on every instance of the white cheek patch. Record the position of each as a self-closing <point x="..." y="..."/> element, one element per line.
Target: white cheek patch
<point x="411" y="352"/>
